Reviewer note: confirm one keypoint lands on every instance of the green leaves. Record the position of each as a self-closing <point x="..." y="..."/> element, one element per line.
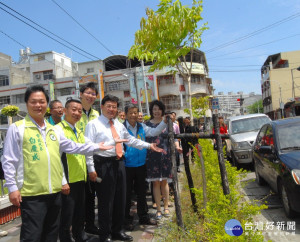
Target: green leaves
<point x="10" y="111"/>
<point x="168" y="33"/>
<point x="199" y="106"/>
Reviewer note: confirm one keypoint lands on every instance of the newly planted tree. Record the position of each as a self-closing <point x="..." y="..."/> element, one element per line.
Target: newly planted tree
<point x="169" y="37"/>
<point x="10" y="111"/>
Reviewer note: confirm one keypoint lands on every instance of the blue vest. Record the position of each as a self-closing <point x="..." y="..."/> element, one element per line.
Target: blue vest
<point x="133" y="156"/>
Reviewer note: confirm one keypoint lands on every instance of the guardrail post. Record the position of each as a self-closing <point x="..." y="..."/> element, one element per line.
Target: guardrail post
<point x="174" y="173"/>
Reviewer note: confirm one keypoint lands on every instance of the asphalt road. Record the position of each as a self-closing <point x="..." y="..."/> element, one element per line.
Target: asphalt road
<point x="272" y="222"/>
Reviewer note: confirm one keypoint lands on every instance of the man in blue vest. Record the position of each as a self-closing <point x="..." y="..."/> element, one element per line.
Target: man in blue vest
<point x="135" y="167"/>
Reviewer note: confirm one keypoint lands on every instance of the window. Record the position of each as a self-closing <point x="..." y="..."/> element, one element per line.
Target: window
<point x="171" y="102"/>
<point x="198" y="79"/>
<point x="182" y="88"/>
<point x="117" y="85"/>
<point x="89" y="70"/>
<point x="165" y="80"/>
<point x="5" y="100"/>
<point x="65" y="91"/>
<point x="3" y="119"/>
<point x="4" y="80"/>
<point x="126" y="93"/>
<point x="48" y="75"/>
<point x="18" y="98"/>
<point x="41" y="57"/>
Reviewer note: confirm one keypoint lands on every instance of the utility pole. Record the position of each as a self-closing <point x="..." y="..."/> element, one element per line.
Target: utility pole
<point x="146" y="90"/>
<point x="137" y="93"/>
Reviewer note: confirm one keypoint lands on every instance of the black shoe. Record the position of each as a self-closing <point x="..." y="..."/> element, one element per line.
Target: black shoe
<point x="121" y="236"/>
<point x="92" y="230"/>
<point x="148" y="221"/>
<point x="128" y="226"/>
<point x="80" y="237"/>
<point x="105" y="239"/>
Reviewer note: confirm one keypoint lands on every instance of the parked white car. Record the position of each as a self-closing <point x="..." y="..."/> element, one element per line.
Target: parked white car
<point x="243" y="131"/>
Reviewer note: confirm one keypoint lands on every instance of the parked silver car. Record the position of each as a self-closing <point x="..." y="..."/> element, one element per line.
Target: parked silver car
<point x="243" y="131"/>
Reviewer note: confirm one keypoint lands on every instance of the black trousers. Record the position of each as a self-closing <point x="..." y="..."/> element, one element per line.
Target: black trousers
<point x="177" y="158"/>
<point x="111" y="194"/>
<point x="40" y="218"/>
<point x="72" y="213"/>
<point x="90" y="193"/>
<point x="137" y="176"/>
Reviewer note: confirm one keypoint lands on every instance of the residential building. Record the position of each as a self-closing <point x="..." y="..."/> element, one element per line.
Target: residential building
<point x="280" y="83"/>
<point x="116" y="75"/>
<point x="229" y="104"/>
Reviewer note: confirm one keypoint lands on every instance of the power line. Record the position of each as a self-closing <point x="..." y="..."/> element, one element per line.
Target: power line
<point x="52" y="34"/>
<point x="8" y="36"/>
<point x="43" y="29"/>
<point x="255" y="46"/>
<point x="46" y="34"/>
<point x="83" y="27"/>
<point x="253" y="33"/>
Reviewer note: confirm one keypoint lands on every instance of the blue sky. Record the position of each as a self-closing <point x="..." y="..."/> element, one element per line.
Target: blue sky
<point x="234" y="68"/>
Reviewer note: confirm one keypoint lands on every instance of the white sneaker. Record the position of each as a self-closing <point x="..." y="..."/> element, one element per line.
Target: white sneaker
<point x="3" y="233"/>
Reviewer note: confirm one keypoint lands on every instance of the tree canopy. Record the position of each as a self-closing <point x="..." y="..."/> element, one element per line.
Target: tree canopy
<point x="256" y="107"/>
<point x="168" y="35"/>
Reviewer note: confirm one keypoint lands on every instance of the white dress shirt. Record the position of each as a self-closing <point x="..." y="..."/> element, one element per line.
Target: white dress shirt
<point x="98" y="130"/>
<point x="149" y="132"/>
<point x="12" y="152"/>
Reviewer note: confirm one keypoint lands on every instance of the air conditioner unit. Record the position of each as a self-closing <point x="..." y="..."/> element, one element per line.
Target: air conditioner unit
<point x="38" y="76"/>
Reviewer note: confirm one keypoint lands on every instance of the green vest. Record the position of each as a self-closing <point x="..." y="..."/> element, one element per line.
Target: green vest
<point x="81" y="124"/>
<point x="76" y="164"/>
<point x="42" y="172"/>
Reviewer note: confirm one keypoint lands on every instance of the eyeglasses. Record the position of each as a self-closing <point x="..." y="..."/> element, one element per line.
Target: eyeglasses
<point x="91" y="93"/>
<point x="59" y="108"/>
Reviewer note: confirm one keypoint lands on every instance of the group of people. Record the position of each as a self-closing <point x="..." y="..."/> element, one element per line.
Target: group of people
<point x="54" y="167"/>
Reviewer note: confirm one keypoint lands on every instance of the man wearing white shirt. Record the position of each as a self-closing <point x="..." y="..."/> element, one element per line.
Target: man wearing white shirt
<point x="109" y="165"/>
<point x="33" y="170"/>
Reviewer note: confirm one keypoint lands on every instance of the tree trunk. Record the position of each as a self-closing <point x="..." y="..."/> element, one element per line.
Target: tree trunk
<point x="190" y="100"/>
<point x="203" y="176"/>
<point x="190" y="180"/>
<point x="174" y="173"/>
<point x="223" y="171"/>
<point x="185" y="150"/>
<point x="10" y="120"/>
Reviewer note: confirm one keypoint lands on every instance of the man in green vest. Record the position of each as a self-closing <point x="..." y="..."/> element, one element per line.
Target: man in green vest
<point x="33" y="170"/>
<point x="88" y="95"/>
<point x="76" y="175"/>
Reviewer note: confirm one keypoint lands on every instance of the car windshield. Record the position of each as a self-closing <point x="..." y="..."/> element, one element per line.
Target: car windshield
<point x="289" y="137"/>
<point x="248" y="124"/>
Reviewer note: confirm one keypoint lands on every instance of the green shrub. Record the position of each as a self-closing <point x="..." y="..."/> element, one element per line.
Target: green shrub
<point x="10" y="111"/>
<point x="209" y="223"/>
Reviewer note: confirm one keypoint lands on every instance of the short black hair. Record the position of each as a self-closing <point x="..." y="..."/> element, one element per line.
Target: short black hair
<point x="173" y="112"/>
<point x="89" y="85"/>
<point x="53" y="102"/>
<point x="35" y="88"/>
<point x="111" y="98"/>
<point x="158" y="103"/>
<point x="130" y="106"/>
<point x="71" y="101"/>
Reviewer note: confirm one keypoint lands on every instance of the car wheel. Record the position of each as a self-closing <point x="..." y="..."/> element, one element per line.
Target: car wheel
<point x="260" y="181"/>
<point x="235" y="162"/>
<point x="290" y="213"/>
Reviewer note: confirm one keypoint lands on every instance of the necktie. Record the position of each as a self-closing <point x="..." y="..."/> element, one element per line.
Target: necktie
<point x="119" y="150"/>
<point x="75" y="132"/>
